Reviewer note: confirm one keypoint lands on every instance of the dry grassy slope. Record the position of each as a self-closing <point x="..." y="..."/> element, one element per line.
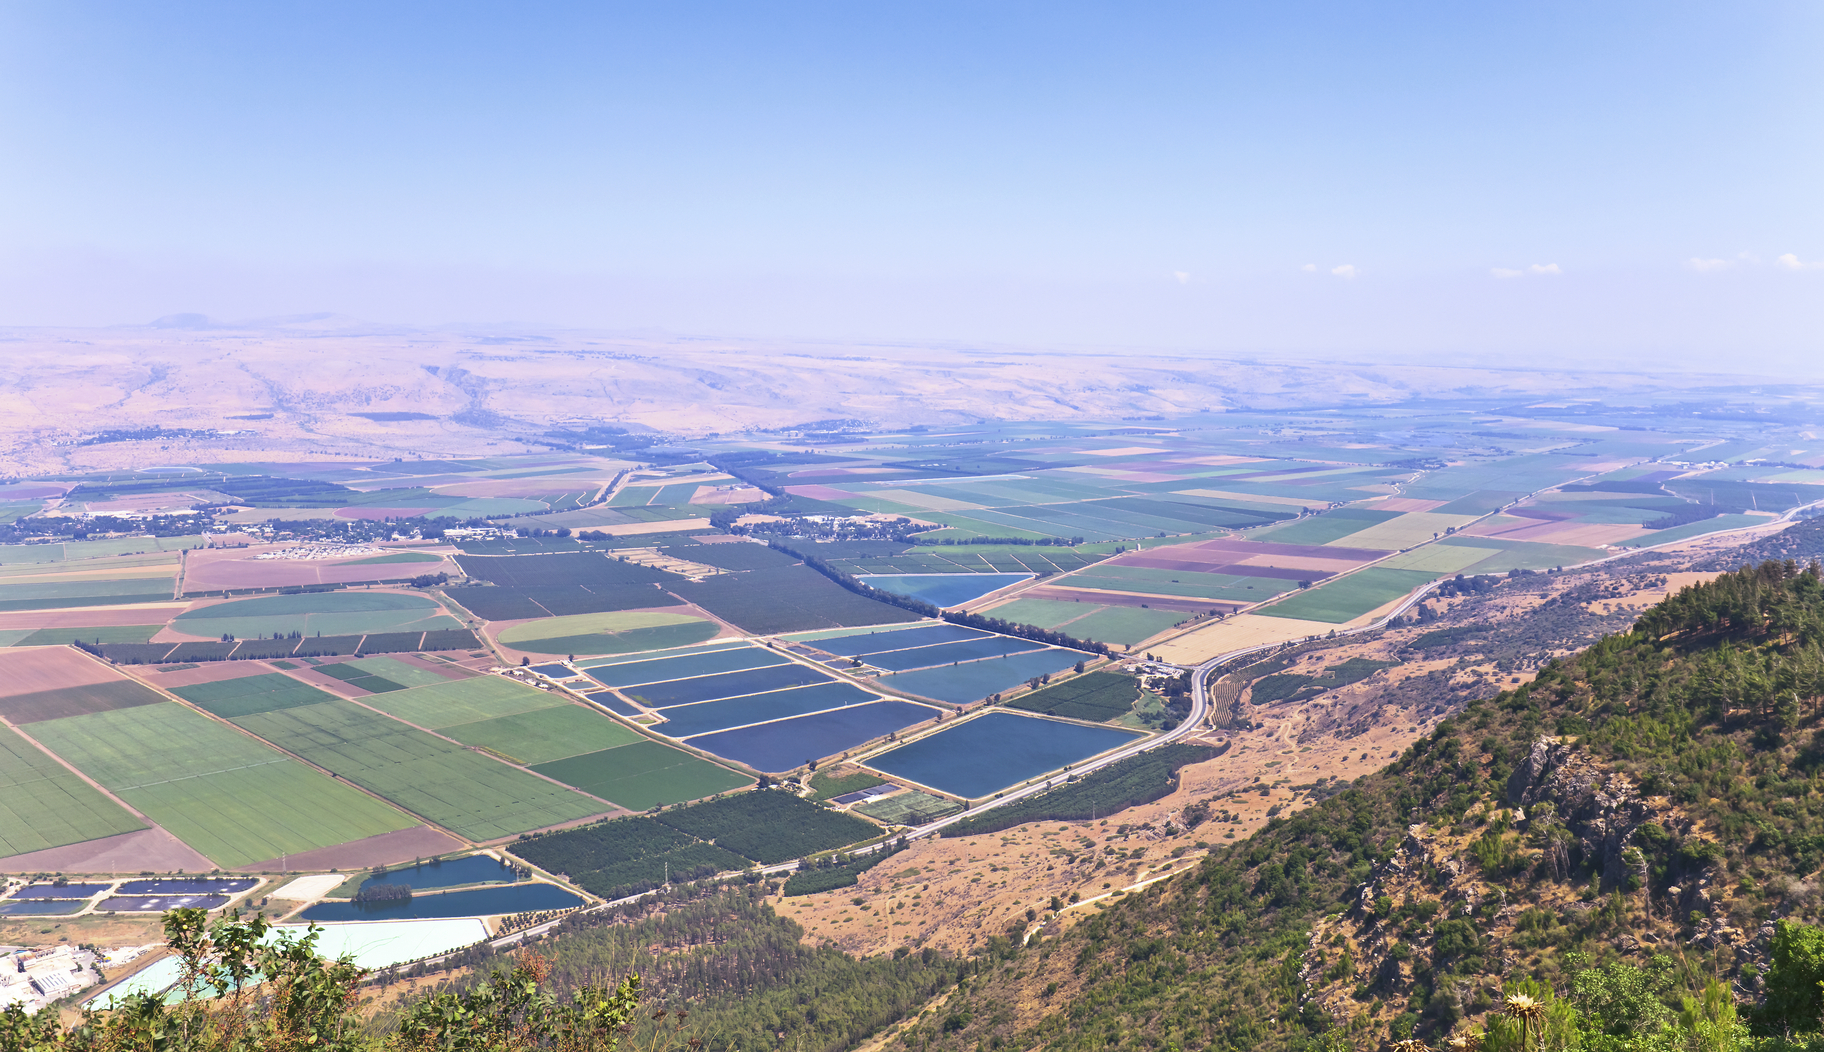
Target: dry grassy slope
<point x="488" y="387"/>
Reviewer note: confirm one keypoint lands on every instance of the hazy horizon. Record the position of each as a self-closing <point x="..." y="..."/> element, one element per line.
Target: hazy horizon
<point x="1428" y="183"/>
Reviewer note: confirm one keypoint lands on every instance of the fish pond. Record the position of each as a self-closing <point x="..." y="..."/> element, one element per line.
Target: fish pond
<point x="785" y="744"/>
<point x="683" y="721"/>
<point x="975" y="680"/>
<point x="449" y="873"/>
<point x="979" y="757"/>
<point x="875" y="642"/>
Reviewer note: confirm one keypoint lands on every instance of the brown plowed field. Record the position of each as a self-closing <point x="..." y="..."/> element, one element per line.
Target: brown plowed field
<point x="1281" y="573"/>
<point x="1312" y="563"/>
<point x="148" y="850"/>
<point x="209" y="571"/>
<point x="76" y="701"/>
<point x="1406" y="504"/>
<point x="28" y="670"/>
<point x="207" y="672"/>
<point x="1155" y="602"/>
<point x="1247" y="549"/>
<point x="385" y="849"/>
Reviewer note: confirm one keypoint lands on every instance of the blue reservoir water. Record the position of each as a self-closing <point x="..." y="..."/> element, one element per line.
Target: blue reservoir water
<point x="475" y="869"/>
<point x="59" y="891"/>
<point x="875" y="642"/>
<point x="683" y="721"/>
<point x="726" y="685"/>
<point x="979" y="757"/>
<point x="607" y="700"/>
<point x="784" y="745"/>
<point x="481" y="902"/>
<point x="947" y="653"/>
<point x="943" y="589"/>
<point x="976" y="680"/>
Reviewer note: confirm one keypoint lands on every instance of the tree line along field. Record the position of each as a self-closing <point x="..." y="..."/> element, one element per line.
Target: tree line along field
<point x="271" y="649"/>
<point x="622" y="856"/>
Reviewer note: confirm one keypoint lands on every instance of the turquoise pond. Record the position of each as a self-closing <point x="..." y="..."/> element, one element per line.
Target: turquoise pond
<point x="982" y="756"/>
<point x="942" y="589"/>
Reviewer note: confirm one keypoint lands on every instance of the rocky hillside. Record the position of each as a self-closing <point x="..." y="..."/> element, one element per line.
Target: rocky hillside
<point x="1615" y="837"/>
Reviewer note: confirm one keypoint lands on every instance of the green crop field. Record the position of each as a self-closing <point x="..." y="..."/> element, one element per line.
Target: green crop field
<point x="1409" y="529"/>
<point x="545" y="734"/>
<point x="232" y="798"/>
<point x="232" y="698"/>
<point x="43" y="805"/>
<point x="397" y="557"/>
<point x="1188" y="583"/>
<point x="477" y="797"/>
<point x="1349" y="597"/>
<point x="455" y="702"/>
<point x="828" y="786"/>
<point x="1522" y="555"/>
<point x="643" y="775"/>
<point x="1439" y="558"/>
<point x="400" y="672"/>
<point x="613" y="632"/>
<point x="1098" y="696"/>
<point x="1122" y="624"/>
<point x="108" y="634"/>
<point x="1325" y="528"/>
<point x="317" y="613"/>
<point x="55" y="594"/>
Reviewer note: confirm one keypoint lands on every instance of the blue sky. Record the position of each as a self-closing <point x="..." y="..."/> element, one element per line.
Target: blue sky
<point x="1418" y="180"/>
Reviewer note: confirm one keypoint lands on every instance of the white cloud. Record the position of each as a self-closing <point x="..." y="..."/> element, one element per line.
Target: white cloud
<point x="1792" y="262"/>
<point x="1704" y="266"/>
<point x="1309" y="268"/>
<point x="1503" y="272"/>
<point x="1545" y="268"/>
<point x="1184" y="277"/>
<point x="1347" y="271"/>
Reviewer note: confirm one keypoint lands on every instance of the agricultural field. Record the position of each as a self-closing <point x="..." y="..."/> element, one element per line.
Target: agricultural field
<point x="643" y="775"/>
<point x="943" y="589"/>
<point x="43" y="805"/>
<point x="461" y="790"/>
<point x="787" y="597"/>
<point x="613" y="632"/>
<point x="561" y="583"/>
<point x="1350" y="597"/>
<point x="1288" y="524"/>
<point x="231" y="797"/>
<point x="1097" y="697"/>
<point x="339" y="613"/>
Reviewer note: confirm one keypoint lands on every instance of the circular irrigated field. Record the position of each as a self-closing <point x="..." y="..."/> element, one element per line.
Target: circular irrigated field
<point x="325" y="613"/>
<point x="618" y="632"/>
